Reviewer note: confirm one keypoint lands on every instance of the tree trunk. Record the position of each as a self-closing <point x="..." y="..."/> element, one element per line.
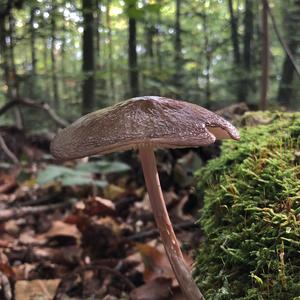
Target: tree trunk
<point x="132" y="56"/>
<point x="236" y="52"/>
<point x="53" y="56"/>
<point x="63" y="58"/>
<point x="178" y="77"/>
<point x="110" y="54"/>
<point x="13" y="72"/>
<point x="208" y="62"/>
<point x="265" y="58"/>
<point x="247" y="53"/>
<point x="88" y="64"/>
<point x="287" y="74"/>
<point x="234" y="34"/>
<point x="158" y="41"/>
<point x="32" y="40"/>
<point x="292" y="24"/>
<point x="98" y="38"/>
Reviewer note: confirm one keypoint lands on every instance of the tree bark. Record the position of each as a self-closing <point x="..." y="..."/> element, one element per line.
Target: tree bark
<point x="32" y="40"/>
<point x="88" y="63"/>
<point x="132" y="56"/>
<point x="53" y="56"/>
<point x="158" y="41"/>
<point x="110" y="54"/>
<point x="287" y="75"/>
<point x="208" y="61"/>
<point x="98" y="37"/>
<point x="289" y="66"/>
<point x="12" y="81"/>
<point x="234" y="34"/>
<point x="178" y="60"/>
<point x="247" y="51"/>
<point x="236" y="52"/>
<point x="265" y="58"/>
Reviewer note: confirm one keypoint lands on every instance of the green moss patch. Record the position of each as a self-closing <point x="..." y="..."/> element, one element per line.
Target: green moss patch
<point x="251" y="216"/>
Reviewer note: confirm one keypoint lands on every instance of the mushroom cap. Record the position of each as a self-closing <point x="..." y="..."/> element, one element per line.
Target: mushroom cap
<point x="143" y="121"/>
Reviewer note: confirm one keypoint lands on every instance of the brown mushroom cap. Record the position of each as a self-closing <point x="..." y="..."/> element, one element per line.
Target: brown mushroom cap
<point x="142" y="121"/>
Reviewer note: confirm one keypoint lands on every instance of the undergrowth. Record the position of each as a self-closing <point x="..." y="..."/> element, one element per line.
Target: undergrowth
<point x="251" y="215"/>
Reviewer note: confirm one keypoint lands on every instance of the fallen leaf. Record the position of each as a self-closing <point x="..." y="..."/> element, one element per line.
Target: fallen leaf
<point x="60" y="228"/>
<point x="99" y="206"/>
<point x="36" y="289"/>
<point x="156" y="262"/>
<point x="157" y="289"/>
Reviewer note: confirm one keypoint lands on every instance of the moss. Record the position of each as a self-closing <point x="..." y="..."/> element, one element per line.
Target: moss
<point x="251" y="215"/>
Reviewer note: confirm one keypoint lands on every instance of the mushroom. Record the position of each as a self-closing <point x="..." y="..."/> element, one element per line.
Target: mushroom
<point x="146" y="123"/>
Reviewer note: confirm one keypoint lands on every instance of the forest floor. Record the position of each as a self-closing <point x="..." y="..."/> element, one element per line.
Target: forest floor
<point x="85" y="230"/>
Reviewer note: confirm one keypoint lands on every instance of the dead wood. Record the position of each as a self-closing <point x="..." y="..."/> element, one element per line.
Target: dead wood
<point x="19" y="212"/>
<point x="37" y="105"/>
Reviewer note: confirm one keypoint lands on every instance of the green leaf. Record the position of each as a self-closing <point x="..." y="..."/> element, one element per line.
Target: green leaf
<point x="51" y="173"/>
<point x="103" y="167"/>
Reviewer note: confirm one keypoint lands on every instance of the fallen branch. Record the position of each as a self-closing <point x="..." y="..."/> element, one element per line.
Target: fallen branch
<point x="7" y="151"/>
<point x="15" y="213"/>
<point x="62" y="288"/>
<point x="37" y="105"/>
<point x="154" y="232"/>
<point x="281" y="40"/>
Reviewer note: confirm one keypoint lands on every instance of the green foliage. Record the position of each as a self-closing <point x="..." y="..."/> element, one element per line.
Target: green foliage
<point x="251" y="216"/>
<point x="82" y="174"/>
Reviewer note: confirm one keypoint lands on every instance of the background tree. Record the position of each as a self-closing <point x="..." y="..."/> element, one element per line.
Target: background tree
<point x="291" y="25"/>
<point x="88" y="60"/>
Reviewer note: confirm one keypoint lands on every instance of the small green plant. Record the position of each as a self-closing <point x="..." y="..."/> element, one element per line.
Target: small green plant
<point x="251" y="215"/>
<point x="82" y="174"/>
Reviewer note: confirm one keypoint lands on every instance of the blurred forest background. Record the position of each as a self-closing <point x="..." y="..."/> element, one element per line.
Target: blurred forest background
<point x="78" y="56"/>
<point x="60" y="59"/>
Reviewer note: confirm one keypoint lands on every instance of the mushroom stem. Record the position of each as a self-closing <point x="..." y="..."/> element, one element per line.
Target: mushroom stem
<point x="169" y="240"/>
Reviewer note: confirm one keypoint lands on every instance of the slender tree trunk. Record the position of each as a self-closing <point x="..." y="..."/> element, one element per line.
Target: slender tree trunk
<point x="234" y="34"/>
<point x="158" y="40"/>
<point x="178" y="77"/>
<point x="208" y="61"/>
<point x="247" y="53"/>
<point x="236" y="52"/>
<point x="110" y="53"/>
<point x="46" y="71"/>
<point x="287" y="75"/>
<point x="289" y="67"/>
<point x="53" y="56"/>
<point x="63" y="58"/>
<point x="265" y="58"/>
<point x="132" y="57"/>
<point x="98" y="37"/>
<point x="32" y="41"/>
<point x="88" y="64"/>
<point x="13" y="72"/>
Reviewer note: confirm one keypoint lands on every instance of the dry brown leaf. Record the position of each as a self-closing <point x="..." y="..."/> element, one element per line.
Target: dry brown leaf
<point x="99" y="206"/>
<point x="22" y="271"/>
<point x="156" y="262"/>
<point x="36" y="289"/>
<point x="60" y="228"/>
<point x="157" y="289"/>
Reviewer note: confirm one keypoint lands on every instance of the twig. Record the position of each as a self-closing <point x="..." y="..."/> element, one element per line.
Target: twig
<point x="94" y="267"/>
<point x="7" y="151"/>
<point x="38" y="105"/>
<point x="15" y="213"/>
<point x="5" y="286"/>
<point x="281" y="40"/>
<point x="154" y="232"/>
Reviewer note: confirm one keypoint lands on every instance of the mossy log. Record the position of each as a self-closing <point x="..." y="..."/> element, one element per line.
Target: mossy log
<point x="251" y="215"/>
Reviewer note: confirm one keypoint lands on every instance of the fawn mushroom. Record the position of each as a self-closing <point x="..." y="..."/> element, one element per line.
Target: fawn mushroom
<point x="146" y="123"/>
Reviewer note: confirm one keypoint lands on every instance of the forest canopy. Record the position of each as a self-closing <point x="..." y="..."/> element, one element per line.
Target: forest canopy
<point x="78" y="56"/>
